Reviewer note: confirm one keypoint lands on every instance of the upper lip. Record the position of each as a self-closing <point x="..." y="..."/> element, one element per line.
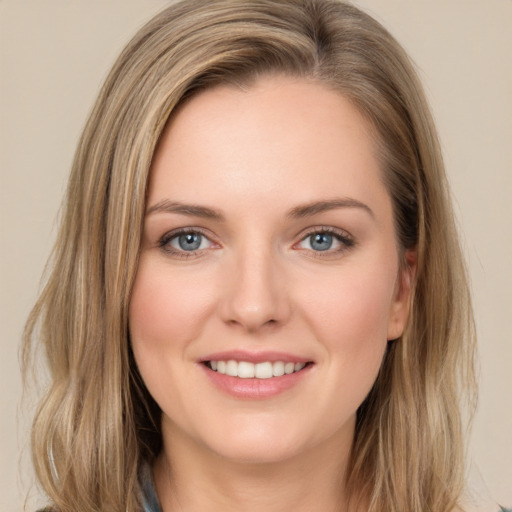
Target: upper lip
<point x="255" y="357"/>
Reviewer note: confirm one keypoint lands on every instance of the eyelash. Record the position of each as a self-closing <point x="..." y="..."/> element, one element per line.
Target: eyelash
<point x="164" y="242"/>
<point x="345" y="240"/>
<point x="342" y="237"/>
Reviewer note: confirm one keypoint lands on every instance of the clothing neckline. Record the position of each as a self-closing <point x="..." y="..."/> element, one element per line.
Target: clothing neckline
<point x="149" y="496"/>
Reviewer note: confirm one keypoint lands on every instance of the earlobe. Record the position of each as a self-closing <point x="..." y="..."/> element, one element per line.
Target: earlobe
<point x="403" y="295"/>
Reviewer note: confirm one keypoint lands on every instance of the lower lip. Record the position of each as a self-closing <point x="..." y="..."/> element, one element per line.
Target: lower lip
<point x="255" y="389"/>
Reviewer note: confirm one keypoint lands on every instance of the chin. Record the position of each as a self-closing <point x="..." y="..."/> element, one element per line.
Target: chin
<point x="270" y="442"/>
<point x="257" y="452"/>
<point x="253" y="439"/>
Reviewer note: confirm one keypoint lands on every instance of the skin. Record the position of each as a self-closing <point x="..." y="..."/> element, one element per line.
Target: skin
<point x="256" y="283"/>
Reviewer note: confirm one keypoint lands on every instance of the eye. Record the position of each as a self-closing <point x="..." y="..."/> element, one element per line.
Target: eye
<point x="185" y="242"/>
<point x="189" y="242"/>
<point x="326" y="240"/>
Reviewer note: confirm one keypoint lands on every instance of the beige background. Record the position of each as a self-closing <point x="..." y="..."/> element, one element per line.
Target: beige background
<point x="54" y="56"/>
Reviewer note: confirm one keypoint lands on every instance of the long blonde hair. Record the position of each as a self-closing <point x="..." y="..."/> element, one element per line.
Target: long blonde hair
<point x="97" y="424"/>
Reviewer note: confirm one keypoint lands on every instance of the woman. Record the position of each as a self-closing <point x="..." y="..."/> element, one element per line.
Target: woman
<point x="258" y="298"/>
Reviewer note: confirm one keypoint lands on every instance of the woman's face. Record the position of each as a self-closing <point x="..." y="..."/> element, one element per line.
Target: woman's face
<point x="268" y="247"/>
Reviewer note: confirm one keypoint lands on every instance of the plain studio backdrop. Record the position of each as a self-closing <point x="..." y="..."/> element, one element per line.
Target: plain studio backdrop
<point x="55" y="55"/>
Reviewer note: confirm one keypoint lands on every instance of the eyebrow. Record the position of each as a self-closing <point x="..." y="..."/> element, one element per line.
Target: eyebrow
<point x="167" y="206"/>
<point x="301" y="211"/>
<point x="316" y="207"/>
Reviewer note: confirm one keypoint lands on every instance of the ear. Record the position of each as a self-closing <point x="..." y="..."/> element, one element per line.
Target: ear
<point x="401" y="304"/>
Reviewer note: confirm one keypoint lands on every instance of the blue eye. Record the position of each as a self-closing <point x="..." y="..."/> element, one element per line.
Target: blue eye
<point x="184" y="242"/>
<point x="326" y="240"/>
<point x="321" y="241"/>
<point x="188" y="242"/>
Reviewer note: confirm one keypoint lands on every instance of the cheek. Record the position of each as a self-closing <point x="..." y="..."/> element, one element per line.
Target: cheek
<point x="352" y="307"/>
<point x="167" y="313"/>
<point x="350" y="315"/>
<point x="166" y="308"/>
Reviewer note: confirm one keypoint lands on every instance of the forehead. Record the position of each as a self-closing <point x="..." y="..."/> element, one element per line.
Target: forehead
<point x="279" y="134"/>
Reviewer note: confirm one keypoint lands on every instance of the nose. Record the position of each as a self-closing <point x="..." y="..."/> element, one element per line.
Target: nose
<point x="254" y="292"/>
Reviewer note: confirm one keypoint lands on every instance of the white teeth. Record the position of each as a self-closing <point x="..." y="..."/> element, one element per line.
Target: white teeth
<point x="263" y="371"/>
<point x="278" y="369"/>
<point x="246" y="370"/>
<point x="232" y="368"/>
<point x="289" y="368"/>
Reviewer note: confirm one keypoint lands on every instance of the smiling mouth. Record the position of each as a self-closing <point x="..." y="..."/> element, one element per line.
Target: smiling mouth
<point x="247" y="370"/>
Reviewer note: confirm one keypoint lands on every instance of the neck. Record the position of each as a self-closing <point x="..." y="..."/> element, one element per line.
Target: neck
<point x="190" y="478"/>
